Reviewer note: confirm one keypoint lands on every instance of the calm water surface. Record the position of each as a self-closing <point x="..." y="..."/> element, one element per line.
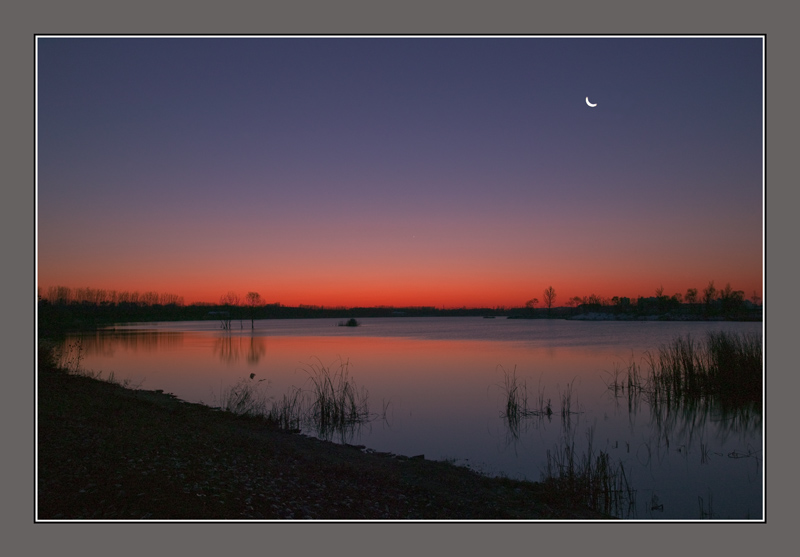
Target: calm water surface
<point x="440" y="383"/>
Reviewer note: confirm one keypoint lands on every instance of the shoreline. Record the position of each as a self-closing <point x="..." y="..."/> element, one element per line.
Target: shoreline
<point x="56" y="319"/>
<point x="108" y="453"/>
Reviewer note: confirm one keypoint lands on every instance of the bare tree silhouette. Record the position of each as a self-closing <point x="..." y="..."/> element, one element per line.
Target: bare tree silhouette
<point x="229" y="301"/>
<point x="709" y="295"/>
<point x="254" y="301"/>
<point x="549" y="297"/>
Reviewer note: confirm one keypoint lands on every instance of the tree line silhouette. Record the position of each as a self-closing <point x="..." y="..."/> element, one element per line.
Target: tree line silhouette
<point x="61" y="308"/>
<point x="724" y="303"/>
<point x="101" y="296"/>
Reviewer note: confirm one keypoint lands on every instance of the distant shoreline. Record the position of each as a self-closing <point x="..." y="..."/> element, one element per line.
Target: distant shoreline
<point x="56" y="319"/>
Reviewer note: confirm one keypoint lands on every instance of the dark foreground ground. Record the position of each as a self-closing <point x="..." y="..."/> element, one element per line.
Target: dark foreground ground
<point x="105" y="452"/>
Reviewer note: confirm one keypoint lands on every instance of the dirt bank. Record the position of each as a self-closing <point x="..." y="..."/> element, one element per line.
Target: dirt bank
<point x="109" y="453"/>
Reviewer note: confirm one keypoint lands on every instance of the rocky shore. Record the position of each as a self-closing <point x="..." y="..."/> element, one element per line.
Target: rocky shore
<point x="110" y="453"/>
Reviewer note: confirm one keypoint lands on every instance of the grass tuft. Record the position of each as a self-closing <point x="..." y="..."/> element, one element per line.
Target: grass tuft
<point x="336" y="403"/>
<point x="589" y="479"/>
<point x="245" y="398"/>
<point x="288" y="412"/>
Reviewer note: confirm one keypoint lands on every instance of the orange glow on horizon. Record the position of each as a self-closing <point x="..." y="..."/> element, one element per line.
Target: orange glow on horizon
<point x="438" y="295"/>
<point x="443" y="274"/>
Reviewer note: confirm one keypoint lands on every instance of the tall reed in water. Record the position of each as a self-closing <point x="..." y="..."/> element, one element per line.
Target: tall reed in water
<point x="335" y="400"/>
<point x="726" y="365"/>
<point x="590" y="479"/>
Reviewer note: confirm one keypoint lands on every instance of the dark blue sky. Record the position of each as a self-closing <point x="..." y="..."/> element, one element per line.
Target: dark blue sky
<point x="341" y="148"/>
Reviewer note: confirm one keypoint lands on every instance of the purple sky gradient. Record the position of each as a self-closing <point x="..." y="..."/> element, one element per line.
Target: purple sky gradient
<point x="405" y="171"/>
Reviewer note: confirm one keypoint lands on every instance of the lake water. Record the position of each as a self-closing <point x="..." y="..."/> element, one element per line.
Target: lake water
<point x="438" y="385"/>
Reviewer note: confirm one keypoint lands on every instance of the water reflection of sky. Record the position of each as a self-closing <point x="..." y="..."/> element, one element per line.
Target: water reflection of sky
<point x="441" y="383"/>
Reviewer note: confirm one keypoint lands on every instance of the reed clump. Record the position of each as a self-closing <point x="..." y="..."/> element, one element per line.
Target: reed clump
<point x="288" y="412"/>
<point x="329" y="403"/>
<point x="726" y="366"/>
<point x="336" y="403"/>
<point x="590" y="478"/>
<point x="516" y="397"/>
<point x="630" y="380"/>
<point x="68" y="356"/>
<point x="515" y="394"/>
<point x="246" y="398"/>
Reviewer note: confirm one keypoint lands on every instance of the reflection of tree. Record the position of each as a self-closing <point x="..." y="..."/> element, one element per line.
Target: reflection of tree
<point x="105" y="343"/>
<point x="257" y="347"/>
<point x="230" y="349"/>
<point x="225" y="350"/>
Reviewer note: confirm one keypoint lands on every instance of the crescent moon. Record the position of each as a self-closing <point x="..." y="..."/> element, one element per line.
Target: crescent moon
<point x="590" y="104"/>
